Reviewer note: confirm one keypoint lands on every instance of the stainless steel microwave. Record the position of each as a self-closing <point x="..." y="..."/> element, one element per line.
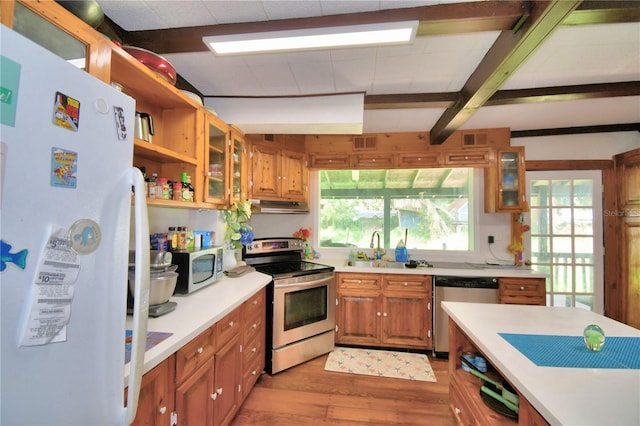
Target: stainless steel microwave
<point x="197" y="268"/>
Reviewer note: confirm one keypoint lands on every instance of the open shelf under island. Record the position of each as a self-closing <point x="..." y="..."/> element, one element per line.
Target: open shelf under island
<point x="556" y="395"/>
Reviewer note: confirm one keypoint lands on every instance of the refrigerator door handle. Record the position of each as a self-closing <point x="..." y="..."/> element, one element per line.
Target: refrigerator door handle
<point x="140" y="298"/>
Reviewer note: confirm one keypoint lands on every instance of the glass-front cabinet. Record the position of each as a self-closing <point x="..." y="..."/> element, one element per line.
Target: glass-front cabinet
<point x="237" y="166"/>
<point x="504" y="182"/>
<point x="217" y="153"/>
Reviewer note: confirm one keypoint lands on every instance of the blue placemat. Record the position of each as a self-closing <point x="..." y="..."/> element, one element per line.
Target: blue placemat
<point x="570" y="351"/>
<point x="153" y="338"/>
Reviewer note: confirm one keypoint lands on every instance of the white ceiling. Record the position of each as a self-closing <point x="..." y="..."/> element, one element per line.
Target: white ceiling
<point x="573" y="55"/>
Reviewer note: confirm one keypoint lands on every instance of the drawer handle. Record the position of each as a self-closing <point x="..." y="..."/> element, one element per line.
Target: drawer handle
<point x="255" y="302"/>
<point x="231" y="323"/>
<point x="200" y="350"/>
<point x="254" y="372"/>
<point x="521" y="287"/>
<point x="406" y="284"/>
<point x="254" y="326"/>
<point x="458" y="410"/>
<point x="254" y="350"/>
<point x="162" y="410"/>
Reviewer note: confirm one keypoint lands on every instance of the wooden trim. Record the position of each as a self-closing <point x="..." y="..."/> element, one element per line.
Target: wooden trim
<point x="537" y="165"/>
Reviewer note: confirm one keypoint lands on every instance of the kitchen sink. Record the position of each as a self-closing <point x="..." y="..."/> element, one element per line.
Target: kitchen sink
<point x="375" y="264"/>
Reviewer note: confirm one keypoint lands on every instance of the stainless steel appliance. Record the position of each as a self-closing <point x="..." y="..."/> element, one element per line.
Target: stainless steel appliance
<point x="301" y="316"/>
<point x="197" y="268"/>
<point x="458" y="289"/>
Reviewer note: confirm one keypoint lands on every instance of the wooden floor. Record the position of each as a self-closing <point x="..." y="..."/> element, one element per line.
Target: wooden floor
<point x="308" y="395"/>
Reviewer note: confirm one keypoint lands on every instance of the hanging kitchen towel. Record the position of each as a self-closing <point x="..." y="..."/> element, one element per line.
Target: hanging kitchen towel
<point x="570" y="351"/>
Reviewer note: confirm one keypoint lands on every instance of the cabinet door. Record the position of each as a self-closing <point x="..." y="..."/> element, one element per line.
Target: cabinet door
<point x="406" y="319"/>
<point x="156" y="401"/>
<point x="504" y="184"/>
<point x="195" y="397"/>
<point x="358" y="281"/>
<point x="217" y="162"/>
<point x="266" y="179"/>
<point x="238" y="166"/>
<point x="293" y="176"/>
<point x="227" y="381"/>
<point x="358" y="317"/>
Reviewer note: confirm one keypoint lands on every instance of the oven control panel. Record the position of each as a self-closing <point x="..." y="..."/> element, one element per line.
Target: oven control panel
<point x="270" y="245"/>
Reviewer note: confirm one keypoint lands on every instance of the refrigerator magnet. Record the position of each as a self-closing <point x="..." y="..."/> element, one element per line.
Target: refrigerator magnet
<point x="85" y="236"/>
<point x="66" y="112"/>
<point x="64" y="168"/>
<point x="121" y="126"/>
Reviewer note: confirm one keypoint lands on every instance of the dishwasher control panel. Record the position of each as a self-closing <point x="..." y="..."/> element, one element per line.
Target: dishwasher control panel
<point x="466" y="282"/>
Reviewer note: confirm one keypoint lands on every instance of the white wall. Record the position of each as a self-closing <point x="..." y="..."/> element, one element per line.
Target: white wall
<point x="594" y="146"/>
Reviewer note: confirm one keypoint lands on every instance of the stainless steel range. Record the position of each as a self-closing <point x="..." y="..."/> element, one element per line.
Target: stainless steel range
<point x="301" y="316"/>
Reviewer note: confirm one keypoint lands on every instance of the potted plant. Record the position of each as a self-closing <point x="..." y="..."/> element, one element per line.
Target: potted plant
<point x="238" y="233"/>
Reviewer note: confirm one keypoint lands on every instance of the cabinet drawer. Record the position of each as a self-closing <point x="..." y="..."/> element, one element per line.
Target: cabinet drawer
<point x="227" y="327"/>
<point x="471" y="157"/>
<point x="254" y="326"/>
<point x="525" y="287"/>
<point x="523" y="300"/>
<point x="372" y="161"/>
<point x="194" y="354"/>
<point x="405" y="282"/>
<point x="255" y="305"/>
<point x="253" y="349"/>
<point x="419" y="160"/>
<point x="358" y="281"/>
<point x="251" y="375"/>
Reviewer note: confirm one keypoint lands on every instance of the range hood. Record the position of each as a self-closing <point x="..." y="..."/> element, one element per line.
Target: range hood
<point x="266" y="206"/>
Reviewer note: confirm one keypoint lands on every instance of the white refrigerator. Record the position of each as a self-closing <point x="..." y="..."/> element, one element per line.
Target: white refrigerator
<point x="66" y="181"/>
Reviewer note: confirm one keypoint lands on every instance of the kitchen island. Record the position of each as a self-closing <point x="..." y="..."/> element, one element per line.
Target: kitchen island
<point x="197" y="312"/>
<point x="560" y="395"/>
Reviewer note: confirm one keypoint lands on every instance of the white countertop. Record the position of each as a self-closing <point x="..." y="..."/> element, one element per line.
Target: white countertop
<point x="563" y="396"/>
<point x="197" y="312"/>
<point x="488" y="271"/>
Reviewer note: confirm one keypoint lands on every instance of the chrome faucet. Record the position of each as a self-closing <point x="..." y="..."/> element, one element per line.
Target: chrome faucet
<point x="378" y="252"/>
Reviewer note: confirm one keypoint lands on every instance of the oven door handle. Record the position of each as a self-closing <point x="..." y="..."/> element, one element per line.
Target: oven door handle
<point x="302" y="285"/>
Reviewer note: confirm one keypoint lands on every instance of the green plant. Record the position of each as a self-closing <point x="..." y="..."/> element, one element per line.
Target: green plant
<point x="238" y="232"/>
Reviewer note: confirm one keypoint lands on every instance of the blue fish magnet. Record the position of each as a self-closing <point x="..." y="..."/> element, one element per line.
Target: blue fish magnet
<point x="19" y="259"/>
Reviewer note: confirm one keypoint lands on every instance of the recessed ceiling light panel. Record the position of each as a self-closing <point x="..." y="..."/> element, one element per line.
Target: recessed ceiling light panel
<point x="313" y="38"/>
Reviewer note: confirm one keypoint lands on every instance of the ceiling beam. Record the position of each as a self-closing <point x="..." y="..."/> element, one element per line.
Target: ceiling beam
<point x="505" y="97"/>
<point x="434" y="20"/>
<point x="507" y="54"/>
<point x="606" y="128"/>
<point x="604" y="12"/>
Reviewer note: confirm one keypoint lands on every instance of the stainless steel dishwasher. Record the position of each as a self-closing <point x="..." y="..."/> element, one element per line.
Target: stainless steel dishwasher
<point x="458" y="289"/>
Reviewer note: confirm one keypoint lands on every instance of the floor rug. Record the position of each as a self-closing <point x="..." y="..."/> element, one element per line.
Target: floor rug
<point x="400" y="365"/>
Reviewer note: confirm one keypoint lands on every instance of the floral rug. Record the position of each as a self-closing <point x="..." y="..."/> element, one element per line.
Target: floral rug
<point x="382" y="363"/>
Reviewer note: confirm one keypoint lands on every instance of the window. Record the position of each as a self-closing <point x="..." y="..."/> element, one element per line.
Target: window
<point x="431" y="206"/>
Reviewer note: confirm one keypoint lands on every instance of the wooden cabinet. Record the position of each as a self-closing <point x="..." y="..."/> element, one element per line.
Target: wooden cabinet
<point x="628" y="218"/>
<point x="465" y="402"/>
<point x="504" y="183"/>
<point x="522" y="291"/>
<point x="390" y="310"/>
<point x="330" y="161"/>
<point x="278" y="174"/>
<point x="253" y="347"/>
<point x="420" y="160"/>
<point x="206" y="381"/>
<point x="156" y="401"/>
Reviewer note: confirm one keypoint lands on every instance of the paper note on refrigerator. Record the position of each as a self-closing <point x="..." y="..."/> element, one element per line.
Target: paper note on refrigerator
<point x="52" y="292"/>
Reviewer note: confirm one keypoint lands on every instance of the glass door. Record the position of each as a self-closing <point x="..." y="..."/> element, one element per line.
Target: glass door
<point x="217" y="152"/>
<point x="566" y="239"/>
<point x="237" y="167"/>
